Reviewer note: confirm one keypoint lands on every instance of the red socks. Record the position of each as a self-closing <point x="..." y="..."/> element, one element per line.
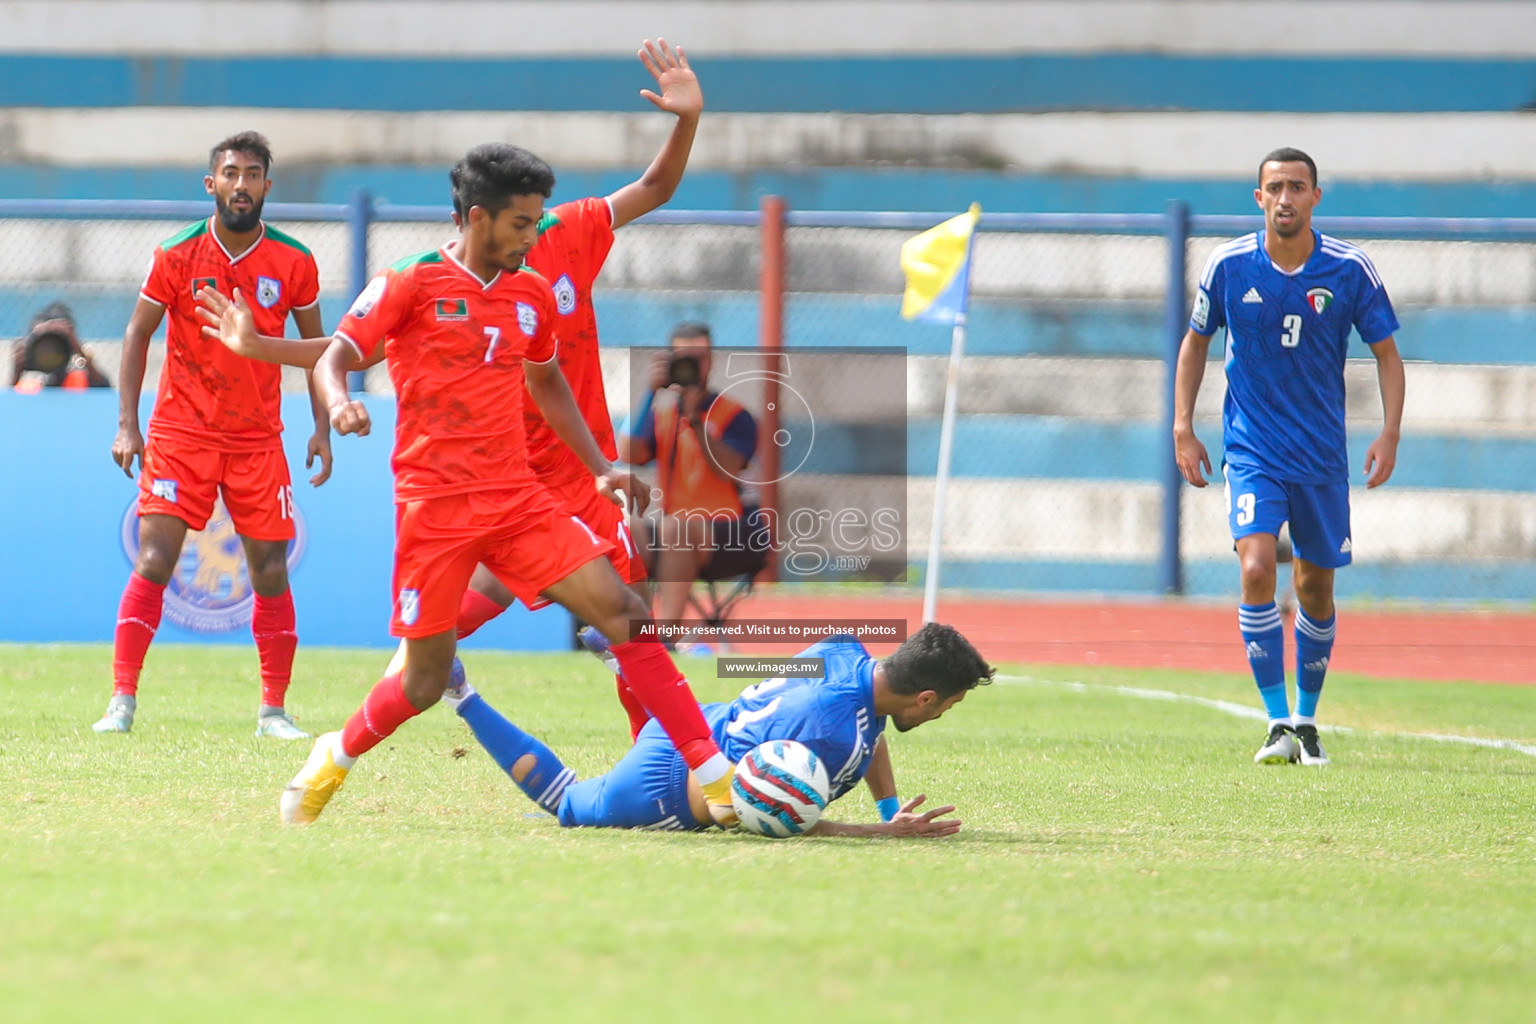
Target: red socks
<point x="656" y="683"/>
<point x="272" y="624"/>
<point x="384" y="710"/>
<point x="138" y="616"/>
<point x="475" y="610"/>
<point x="638" y="716"/>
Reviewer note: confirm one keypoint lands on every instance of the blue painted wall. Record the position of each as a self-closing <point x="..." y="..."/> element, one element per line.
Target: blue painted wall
<point x="903" y="84"/>
<point x="63" y="563"/>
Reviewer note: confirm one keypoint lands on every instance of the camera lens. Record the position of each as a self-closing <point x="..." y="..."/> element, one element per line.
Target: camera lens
<point x="684" y="371"/>
<point x="47" y="352"/>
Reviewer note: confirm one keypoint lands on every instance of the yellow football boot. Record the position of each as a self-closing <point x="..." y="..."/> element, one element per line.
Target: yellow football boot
<point x="306" y="796"/>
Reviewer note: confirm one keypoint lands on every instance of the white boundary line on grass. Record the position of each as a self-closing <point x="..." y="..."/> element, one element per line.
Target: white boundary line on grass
<point x="1228" y="707"/>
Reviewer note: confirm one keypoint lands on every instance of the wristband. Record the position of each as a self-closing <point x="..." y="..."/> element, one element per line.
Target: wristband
<point x="888" y="807"/>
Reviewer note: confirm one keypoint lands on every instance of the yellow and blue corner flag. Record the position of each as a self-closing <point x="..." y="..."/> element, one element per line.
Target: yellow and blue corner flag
<point x="937" y="265"/>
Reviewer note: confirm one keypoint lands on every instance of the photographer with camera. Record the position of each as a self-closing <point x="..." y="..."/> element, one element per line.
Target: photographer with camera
<point x="50" y="356"/>
<point x="701" y="443"/>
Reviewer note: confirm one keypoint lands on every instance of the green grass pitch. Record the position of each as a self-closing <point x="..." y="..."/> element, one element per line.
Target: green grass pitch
<point x="1122" y="860"/>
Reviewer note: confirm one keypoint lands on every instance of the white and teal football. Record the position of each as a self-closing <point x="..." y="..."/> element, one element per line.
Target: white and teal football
<point x="780" y="789"/>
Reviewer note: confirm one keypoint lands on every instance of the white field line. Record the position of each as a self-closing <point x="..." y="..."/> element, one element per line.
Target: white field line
<point x="1245" y="711"/>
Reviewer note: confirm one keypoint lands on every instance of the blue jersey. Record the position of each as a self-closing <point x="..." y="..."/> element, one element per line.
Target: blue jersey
<point x="833" y="715"/>
<point x="1287" y="337"/>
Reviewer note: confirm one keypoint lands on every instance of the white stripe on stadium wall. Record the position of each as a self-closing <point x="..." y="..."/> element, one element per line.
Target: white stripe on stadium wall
<point x="764" y="27"/>
<point x="1174" y="145"/>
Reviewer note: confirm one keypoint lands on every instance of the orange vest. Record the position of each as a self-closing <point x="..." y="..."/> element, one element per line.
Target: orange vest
<point x="689" y="480"/>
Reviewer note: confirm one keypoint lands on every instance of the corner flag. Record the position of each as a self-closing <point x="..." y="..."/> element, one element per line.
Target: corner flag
<point x="937" y="265"/>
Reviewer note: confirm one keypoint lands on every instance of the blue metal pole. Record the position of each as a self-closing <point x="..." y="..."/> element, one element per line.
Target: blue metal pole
<point x="1170" y="575"/>
<point x="359" y="216"/>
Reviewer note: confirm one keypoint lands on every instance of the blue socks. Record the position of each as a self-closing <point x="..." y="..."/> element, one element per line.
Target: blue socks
<point x="1314" y="646"/>
<point x="1264" y="639"/>
<point x="507" y="744"/>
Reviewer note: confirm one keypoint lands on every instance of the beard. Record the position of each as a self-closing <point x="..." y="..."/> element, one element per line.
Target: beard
<point x="239" y="223"/>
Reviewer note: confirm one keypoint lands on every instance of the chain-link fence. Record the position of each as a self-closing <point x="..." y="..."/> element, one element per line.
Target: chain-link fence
<point x="1060" y="473"/>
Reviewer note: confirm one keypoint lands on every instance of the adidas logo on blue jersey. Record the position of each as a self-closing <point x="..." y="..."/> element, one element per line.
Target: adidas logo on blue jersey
<point x="1344" y="548"/>
<point x="1256" y="651"/>
<point x="1320" y="665"/>
<point x="1252" y="295"/>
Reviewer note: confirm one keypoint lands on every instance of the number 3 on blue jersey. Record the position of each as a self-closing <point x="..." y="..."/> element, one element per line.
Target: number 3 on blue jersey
<point x="1290" y="337"/>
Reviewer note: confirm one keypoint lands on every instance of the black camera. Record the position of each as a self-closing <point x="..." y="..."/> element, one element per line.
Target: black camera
<point x="683" y="371"/>
<point x="47" y="352"/>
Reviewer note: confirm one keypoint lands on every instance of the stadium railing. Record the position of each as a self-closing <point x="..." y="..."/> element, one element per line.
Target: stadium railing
<point x="1063" y="476"/>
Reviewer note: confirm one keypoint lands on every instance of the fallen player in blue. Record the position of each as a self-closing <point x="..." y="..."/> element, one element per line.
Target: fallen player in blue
<point x="840" y="716"/>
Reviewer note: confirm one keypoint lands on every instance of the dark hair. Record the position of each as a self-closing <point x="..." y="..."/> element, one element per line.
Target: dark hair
<point x="936" y="658"/>
<point x="690" y="329"/>
<point x="1286" y="155"/>
<point x="52" y="311"/>
<point x="493" y="172"/>
<point x="253" y="143"/>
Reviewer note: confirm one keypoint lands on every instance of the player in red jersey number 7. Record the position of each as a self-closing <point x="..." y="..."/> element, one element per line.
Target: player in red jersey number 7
<point x="461" y="328"/>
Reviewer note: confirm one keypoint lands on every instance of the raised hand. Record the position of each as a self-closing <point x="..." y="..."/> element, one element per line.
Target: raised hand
<point x="680" y="92"/>
<point x="229" y="322"/>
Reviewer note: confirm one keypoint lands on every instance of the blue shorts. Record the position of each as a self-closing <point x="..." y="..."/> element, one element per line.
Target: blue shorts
<point x="1318" y="513"/>
<point x="648" y="788"/>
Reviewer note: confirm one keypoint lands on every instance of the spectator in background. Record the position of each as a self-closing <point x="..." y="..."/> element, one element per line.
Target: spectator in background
<point x="701" y="443"/>
<point x="51" y="356"/>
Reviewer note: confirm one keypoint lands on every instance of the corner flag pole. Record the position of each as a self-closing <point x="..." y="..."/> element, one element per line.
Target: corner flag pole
<point x="946" y="444"/>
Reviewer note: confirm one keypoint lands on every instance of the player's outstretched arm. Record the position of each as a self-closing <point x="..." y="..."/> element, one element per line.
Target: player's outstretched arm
<point x="1381" y="456"/>
<point x="230" y="321"/>
<point x="550" y="392"/>
<point x="1188" y="452"/>
<point x="680" y="95"/>
<point x="129" y="442"/>
<point x="908" y="824"/>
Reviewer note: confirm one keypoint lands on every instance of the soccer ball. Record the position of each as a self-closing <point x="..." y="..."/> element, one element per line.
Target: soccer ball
<point x="780" y="789"/>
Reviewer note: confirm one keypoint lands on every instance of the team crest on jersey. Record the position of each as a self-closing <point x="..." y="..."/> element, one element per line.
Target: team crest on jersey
<point x="1319" y="299"/>
<point x="527" y="318"/>
<point x="199" y="283"/>
<point x="410" y="606"/>
<point x="367" y="298"/>
<point x="268" y="291"/>
<point x="565" y="295"/>
<point x="451" y="311"/>
<point x="165" y="490"/>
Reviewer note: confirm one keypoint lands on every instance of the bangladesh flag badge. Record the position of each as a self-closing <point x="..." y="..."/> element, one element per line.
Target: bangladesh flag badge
<point x="199" y="283"/>
<point x="1319" y="298"/>
<point x="451" y="309"/>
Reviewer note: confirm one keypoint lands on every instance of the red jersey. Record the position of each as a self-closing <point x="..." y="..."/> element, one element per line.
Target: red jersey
<point x="455" y="347"/>
<point x="208" y="395"/>
<point x="574" y="240"/>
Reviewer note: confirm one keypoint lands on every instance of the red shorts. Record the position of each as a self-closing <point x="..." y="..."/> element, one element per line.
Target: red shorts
<point x="583" y="500"/>
<point x="184" y="481"/>
<point x="522" y="536"/>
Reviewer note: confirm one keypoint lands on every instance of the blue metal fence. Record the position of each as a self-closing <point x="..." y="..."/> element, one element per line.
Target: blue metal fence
<point x="1502" y="336"/>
